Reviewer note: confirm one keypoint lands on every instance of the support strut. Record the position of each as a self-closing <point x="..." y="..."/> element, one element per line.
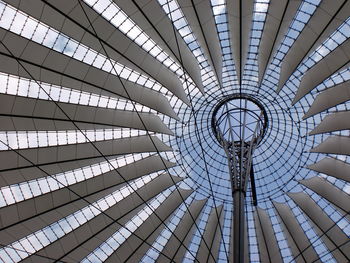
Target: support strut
<point x="239" y="124"/>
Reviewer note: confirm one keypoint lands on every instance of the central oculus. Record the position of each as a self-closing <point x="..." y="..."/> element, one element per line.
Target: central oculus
<point x="239" y="119"/>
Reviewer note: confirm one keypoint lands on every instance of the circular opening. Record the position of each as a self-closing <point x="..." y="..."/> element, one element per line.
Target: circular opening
<point x="240" y="120"/>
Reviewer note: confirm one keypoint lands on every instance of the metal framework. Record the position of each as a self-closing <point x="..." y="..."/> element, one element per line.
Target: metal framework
<point x="107" y="146"/>
<point x="239" y="123"/>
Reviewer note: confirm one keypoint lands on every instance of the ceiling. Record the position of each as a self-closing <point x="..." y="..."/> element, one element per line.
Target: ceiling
<point x="106" y="144"/>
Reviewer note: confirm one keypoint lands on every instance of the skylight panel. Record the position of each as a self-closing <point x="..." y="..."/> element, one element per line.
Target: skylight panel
<point x="14" y="85"/>
<point x="258" y="23"/>
<point x="279" y="163"/>
<point x="158" y="245"/>
<point x="48" y="37"/>
<point x="220" y="16"/>
<point x="172" y="9"/>
<point x="135" y="33"/>
<point x="14" y="140"/>
<point x="310" y="232"/>
<point x="336" y="39"/>
<point x="306" y="9"/>
<point x="196" y="239"/>
<point x="32" y="243"/>
<point x="103" y="251"/>
<point x="26" y="190"/>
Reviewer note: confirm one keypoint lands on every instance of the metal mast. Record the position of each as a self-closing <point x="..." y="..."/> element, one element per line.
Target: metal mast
<point x="239" y="123"/>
